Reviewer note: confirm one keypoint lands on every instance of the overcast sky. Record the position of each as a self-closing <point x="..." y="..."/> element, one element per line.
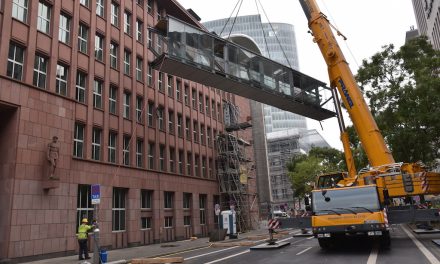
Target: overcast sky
<point x="368" y="25"/>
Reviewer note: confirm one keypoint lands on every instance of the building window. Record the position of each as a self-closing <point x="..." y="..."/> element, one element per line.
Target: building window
<point x="160" y="82"/>
<point x="100" y="8"/>
<point x="213" y="109"/>
<point x="188" y="163"/>
<point x="202" y="206"/>
<point x="139" y="153"/>
<point x="99" y="47"/>
<point x="146" y="199"/>
<point x="126" y="105"/>
<point x="195" y="127"/>
<point x="204" y="172"/>
<point x="83" y="36"/>
<point x="112" y="136"/>
<point x="80" y="91"/>
<point x="139" y="30"/>
<point x="139" y="104"/>
<point x="113" y="55"/>
<point x="179" y="125"/>
<point x="139" y="69"/>
<point x="170" y="86"/>
<point x="96" y="144"/>
<point x="78" y="141"/>
<point x="149" y="39"/>
<point x="127" y="62"/>
<point x="186" y="220"/>
<point x="114" y="14"/>
<point x="180" y="165"/>
<point x="112" y="98"/>
<point x="162" y="157"/>
<point x="188" y="128"/>
<point x="146" y="223"/>
<point x="15" y="62"/>
<point x="150" y="6"/>
<point x="207" y="105"/>
<point x="43" y="20"/>
<point x="208" y="136"/>
<point x="168" y="222"/>
<point x="196" y="165"/>
<point x="160" y="122"/>
<point x="118" y="209"/>
<point x="178" y="90"/>
<point x="64" y="33"/>
<point x="20" y="10"/>
<point x="218" y="112"/>
<point x="171" y="122"/>
<point x="151" y="155"/>
<point x="193" y="98"/>
<point x="168" y="200"/>
<point x="127" y="23"/>
<point x="202" y="134"/>
<point x="61" y="80"/>
<point x="84" y="3"/>
<point x="201" y="102"/>
<point x="84" y="207"/>
<point x="150" y="120"/>
<point x="40" y="71"/>
<point x="187" y="200"/>
<point x="186" y="95"/>
<point x="172" y="160"/>
<point x="150" y="76"/>
<point x="126" y="151"/>
<point x="210" y="170"/>
<point x="97" y="94"/>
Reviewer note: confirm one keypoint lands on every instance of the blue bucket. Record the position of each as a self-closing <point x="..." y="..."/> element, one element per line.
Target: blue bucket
<point x="103" y="256"/>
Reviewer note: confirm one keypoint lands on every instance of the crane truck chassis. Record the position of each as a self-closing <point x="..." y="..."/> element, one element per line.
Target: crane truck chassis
<point x="360" y="203"/>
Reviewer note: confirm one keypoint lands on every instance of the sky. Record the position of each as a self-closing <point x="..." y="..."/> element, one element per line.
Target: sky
<point x="367" y="24"/>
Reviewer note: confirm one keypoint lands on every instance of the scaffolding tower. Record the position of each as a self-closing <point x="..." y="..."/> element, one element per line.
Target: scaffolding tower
<point x="233" y="167"/>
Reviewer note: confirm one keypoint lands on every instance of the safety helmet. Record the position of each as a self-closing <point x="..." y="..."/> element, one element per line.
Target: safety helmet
<point x="84" y="220"/>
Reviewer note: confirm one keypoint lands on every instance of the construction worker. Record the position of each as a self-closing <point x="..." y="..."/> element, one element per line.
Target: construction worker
<point x="82" y="235"/>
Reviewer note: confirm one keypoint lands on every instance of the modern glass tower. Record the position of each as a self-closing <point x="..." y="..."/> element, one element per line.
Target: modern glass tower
<point x="275" y="41"/>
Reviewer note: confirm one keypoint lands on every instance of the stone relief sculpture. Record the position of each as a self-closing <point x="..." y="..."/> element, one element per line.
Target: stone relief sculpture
<point x="53" y="149"/>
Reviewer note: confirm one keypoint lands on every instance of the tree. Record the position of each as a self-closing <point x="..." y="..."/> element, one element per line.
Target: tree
<point x="403" y="89"/>
<point x="303" y="168"/>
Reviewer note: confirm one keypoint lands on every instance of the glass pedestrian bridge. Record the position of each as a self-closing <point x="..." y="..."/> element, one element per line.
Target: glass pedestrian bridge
<point x="205" y="58"/>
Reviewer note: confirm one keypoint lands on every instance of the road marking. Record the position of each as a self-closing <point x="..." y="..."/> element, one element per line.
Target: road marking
<point x="373" y="255"/>
<point x="209" y="253"/>
<point x="299" y="253"/>
<point x="310" y="237"/>
<point x="228" y="257"/>
<point x="432" y="259"/>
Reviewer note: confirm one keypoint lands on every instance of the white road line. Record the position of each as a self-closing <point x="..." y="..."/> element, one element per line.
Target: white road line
<point x="299" y="253"/>
<point x="209" y="253"/>
<point x="228" y="257"/>
<point x="432" y="259"/>
<point x="373" y="255"/>
<point x="311" y="237"/>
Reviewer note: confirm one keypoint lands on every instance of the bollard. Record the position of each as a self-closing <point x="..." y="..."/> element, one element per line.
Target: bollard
<point x="96" y="254"/>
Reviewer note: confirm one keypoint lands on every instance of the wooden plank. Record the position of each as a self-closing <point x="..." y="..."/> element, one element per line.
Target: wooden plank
<point x="157" y="260"/>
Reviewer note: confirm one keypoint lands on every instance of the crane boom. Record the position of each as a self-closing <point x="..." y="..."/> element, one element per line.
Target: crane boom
<point x="342" y="79"/>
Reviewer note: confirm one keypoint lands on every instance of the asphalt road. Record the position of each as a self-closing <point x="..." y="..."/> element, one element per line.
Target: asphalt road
<point x="406" y="248"/>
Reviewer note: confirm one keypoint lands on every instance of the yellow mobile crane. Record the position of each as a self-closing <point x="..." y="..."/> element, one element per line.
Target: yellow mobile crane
<point x="346" y="204"/>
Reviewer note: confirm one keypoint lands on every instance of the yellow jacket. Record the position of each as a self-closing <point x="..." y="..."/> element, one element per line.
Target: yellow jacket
<point x="83" y="229"/>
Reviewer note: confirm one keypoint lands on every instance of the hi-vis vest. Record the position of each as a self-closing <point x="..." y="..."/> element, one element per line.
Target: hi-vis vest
<point x="82" y="231"/>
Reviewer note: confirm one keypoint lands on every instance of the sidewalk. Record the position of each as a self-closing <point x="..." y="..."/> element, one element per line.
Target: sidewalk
<point x="154" y="250"/>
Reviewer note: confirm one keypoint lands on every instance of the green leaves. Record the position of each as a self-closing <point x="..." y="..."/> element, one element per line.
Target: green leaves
<point x="403" y="90"/>
<point x="303" y="169"/>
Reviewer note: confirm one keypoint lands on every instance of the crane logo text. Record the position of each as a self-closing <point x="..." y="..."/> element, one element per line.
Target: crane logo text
<point x="345" y="92"/>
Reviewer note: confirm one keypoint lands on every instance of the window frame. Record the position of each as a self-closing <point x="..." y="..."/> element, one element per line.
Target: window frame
<point x="126" y="150"/>
<point x="100" y="8"/>
<point x="99" y="47"/>
<point x="96" y="143"/>
<point x="14" y="66"/>
<point x="119" y="209"/>
<point x="60" y="81"/>
<point x="112" y="147"/>
<point x="98" y="86"/>
<point x="78" y="142"/>
<point x="139" y="153"/>
<point x="113" y="99"/>
<point x="17" y="8"/>
<point x="114" y="14"/>
<point x="64" y="32"/>
<point x="83" y="38"/>
<point x="113" y="53"/>
<point x="80" y="91"/>
<point x="40" y="70"/>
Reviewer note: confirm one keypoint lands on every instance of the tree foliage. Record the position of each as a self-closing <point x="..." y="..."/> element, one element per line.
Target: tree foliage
<point x="303" y="168"/>
<point x="403" y="90"/>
